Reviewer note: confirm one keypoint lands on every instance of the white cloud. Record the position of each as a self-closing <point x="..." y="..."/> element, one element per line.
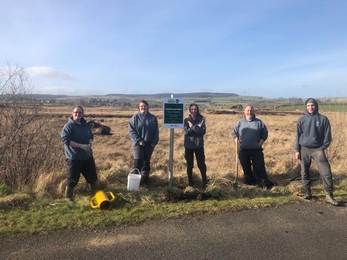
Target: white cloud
<point x="47" y="72"/>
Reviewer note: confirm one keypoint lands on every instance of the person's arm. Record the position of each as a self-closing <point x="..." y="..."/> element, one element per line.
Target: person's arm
<point x="156" y="133"/>
<point x="297" y="155"/>
<point x="261" y="142"/>
<point x="235" y="134"/>
<point x="297" y="146"/>
<point x="187" y="126"/>
<point x="327" y="134"/>
<point x="132" y="129"/>
<point x="264" y="134"/>
<point x="74" y="144"/>
<point x="199" y="128"/>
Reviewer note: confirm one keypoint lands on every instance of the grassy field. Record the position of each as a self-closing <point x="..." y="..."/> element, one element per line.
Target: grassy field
<point x="41" y="208"/>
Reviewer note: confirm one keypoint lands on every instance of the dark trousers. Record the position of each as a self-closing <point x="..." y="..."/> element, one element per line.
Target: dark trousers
<point x="255" y="158"/>
<point x="76" y="167"/>
<point x="142" y="157"/>
<point x="323" y="166"/>
<point x="200" y="158"/>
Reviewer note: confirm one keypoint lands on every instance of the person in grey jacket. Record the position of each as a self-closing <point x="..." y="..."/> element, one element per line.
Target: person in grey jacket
<point x="250" y="133"/>
<point x="194" y="131"/>
<point x="144" y="133"/>
<point x="77" y="138"/>
<point x="313" y="136"/>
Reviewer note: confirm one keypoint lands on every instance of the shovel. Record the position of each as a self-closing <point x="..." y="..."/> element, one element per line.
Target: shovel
<point x="235" y="184"/>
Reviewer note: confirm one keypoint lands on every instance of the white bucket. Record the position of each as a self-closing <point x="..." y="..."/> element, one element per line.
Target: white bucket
<point x="133" y="181"/>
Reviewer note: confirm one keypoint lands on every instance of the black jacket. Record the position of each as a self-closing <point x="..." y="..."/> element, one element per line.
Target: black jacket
<point x="194" y="136"/>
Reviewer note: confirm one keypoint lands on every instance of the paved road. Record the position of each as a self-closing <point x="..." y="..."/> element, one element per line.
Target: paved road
<point x="302" y="231"/>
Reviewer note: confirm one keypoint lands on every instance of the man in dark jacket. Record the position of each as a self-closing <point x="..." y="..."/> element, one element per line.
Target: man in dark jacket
<point x="194" y="131"/>
<point x="313" y="136"/>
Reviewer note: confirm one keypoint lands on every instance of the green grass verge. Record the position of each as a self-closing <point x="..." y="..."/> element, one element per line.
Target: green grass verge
<point x="45" y="215"/>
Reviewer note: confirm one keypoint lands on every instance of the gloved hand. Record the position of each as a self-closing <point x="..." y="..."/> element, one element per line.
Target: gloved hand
<point x="87" y="149"/>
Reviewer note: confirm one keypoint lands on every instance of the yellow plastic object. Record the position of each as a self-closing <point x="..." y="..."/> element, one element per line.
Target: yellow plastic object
<point x="102" y="200"/>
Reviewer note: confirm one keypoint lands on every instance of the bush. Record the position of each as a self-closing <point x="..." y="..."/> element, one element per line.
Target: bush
<point x="28" y="144"/>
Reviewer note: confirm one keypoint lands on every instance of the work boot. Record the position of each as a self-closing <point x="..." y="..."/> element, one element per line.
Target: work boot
<point x="330" y="199"/>
<point x="308" y="194"/>
<point x="204" y="179"/>
<point x="93" y="188"/>
<point x="68" y="194"/>
<point x="190" y="177"/>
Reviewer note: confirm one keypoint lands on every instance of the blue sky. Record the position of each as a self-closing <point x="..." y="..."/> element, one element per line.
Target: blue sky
<point x="268" y="48"/>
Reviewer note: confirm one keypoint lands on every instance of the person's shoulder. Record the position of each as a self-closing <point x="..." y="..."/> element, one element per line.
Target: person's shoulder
<point x="134" y="116"/>
<point x="69" y="122"/>
<point x="151" y="115"/>
<point x="322" y="116"/>
<point x="241" y="120"/>
<point x="304" y="117"/>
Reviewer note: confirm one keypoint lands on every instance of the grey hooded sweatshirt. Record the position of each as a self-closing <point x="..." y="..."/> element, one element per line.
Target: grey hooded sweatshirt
<point x="312" y="130"/>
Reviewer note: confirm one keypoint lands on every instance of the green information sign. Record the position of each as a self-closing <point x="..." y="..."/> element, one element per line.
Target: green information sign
<point x="173" y="112"/>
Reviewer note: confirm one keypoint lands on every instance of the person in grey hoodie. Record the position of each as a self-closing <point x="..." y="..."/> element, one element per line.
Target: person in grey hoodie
<point x="250" y="133"/>
<point x="313" y="136"/>
<point x="194" y="131"/>
<point x="77" y="138"/>
<point x="144" y="133"/>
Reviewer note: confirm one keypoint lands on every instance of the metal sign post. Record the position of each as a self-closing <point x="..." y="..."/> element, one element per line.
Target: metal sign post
<point x="173" y="118"/>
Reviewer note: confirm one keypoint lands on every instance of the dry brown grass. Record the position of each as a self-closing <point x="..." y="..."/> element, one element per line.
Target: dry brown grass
<point x="114" y="158"/>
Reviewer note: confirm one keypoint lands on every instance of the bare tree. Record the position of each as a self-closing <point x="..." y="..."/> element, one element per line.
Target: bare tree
<point x="28" y="146"/>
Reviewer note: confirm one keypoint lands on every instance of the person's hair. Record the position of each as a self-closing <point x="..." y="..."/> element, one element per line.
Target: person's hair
<point x="79" y="108"/>
<point x="144" y="102"/>
<point x="197" y="108"/>
<point x="249" y="105"/>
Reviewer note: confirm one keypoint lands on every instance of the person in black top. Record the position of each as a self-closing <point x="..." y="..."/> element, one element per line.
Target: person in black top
<point x="194" y="131"/>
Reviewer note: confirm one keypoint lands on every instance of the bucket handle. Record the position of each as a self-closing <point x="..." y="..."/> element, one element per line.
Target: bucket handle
<point x="93" y="204"/>
<point x="110" y="196"/>
<point x="138" y="171"/>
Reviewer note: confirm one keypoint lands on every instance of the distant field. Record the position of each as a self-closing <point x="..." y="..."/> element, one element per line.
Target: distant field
<point x="113" y="153"/>
<point x="204" y="100"/>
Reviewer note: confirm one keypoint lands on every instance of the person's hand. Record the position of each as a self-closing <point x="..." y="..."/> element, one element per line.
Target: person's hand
<point x="190" y="124"/>
<point x="297" y="155"/>
<point x="142" y="143"/>
<point x="86" y="148"/>
<point x="261" y="143"/>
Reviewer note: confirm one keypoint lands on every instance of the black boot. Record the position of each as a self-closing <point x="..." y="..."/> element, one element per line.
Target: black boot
<point x="190" y="177"/>
<point x="68" y="194"/>
<point x="93" y="188"/>
<point x="204" y="178"/>
<point x="308" y="194"/>
<point x="330" y="199"/>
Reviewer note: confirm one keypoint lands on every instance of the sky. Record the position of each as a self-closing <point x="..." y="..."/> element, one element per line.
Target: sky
<point x="267" y="48"/>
